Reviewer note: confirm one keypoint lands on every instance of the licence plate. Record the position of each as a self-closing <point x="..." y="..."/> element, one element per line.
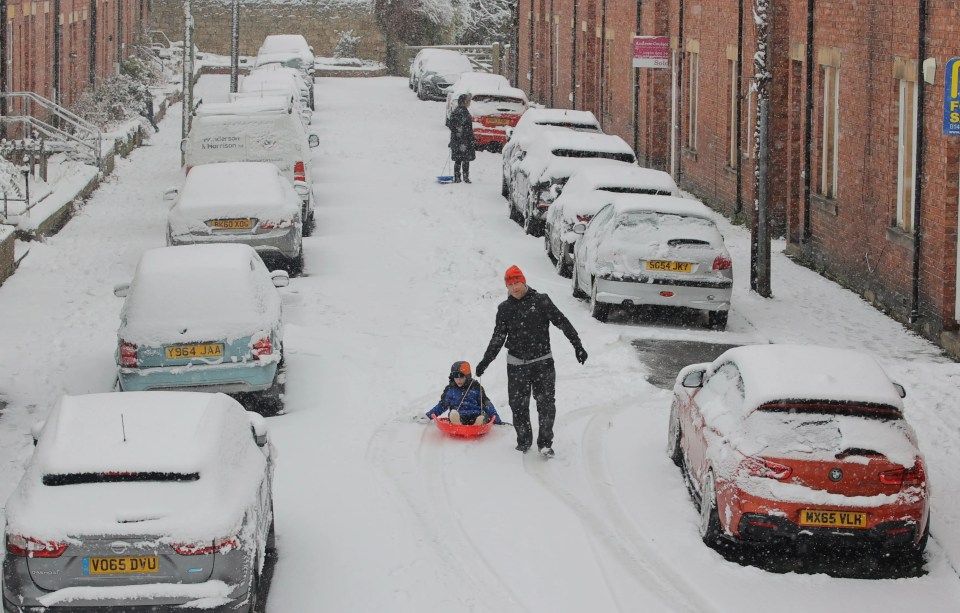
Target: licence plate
<point x="498" y="121"/>
<point x="669" y="266"/>
<point x="121" y="566"/>
<point x="833" y="519"/>
<point x="206" y="350"/>
<point x="231" y="224"/>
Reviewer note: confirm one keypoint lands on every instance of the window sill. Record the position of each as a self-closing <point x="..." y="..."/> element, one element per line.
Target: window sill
<point x="729" y="170"/>
<point x="899" y="236"/>
<point x="824" y="204"/>
<point x="690" y="154"/>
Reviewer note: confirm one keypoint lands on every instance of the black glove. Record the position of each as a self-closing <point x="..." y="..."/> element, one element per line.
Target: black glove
<point x="504" y="423"/>
<point x="581" y="354"/>
<point x="481" y="368"/>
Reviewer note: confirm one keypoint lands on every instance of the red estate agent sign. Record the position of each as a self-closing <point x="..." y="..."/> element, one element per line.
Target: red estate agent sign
<point x="651" y="52"/>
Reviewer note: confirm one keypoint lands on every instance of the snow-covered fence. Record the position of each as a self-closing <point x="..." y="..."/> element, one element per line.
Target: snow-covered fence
<point x="63" y="130"/>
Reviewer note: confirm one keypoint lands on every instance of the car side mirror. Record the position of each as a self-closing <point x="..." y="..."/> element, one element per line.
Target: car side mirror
<point x="508" y="132"/>
<point x="693" y="379"/>
<point x="313" y="140"/>
<point x="258" y="428"/>
<point x="171" y="194"/>
<point x="301" y="187"/>
<point x="280" y="278"/>
<point x="35" y="431"/>
<point x="183" y="145"/>
<point x="579" y="227"/>
<point x="121" y="290"/>
<point x="901" y="391"/>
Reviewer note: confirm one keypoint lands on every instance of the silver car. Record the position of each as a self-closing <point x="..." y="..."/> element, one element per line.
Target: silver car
<point x="238" y="202"/>
<point x="142" y="501"/>
<point x="653" y="250"/>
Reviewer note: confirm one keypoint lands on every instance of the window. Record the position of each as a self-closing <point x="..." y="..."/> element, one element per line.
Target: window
<point x="906" y="158"/>
<point x="693" y="91"/>
<point x="732" y="128"/>
<point x="830" y="124"/>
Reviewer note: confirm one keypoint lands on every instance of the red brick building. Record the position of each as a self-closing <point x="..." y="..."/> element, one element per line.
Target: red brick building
<point x="863" y="182"/>
<point x="94" y="36"/>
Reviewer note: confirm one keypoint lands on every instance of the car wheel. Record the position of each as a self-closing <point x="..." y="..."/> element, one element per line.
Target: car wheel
<point x="531" y="226"/>
<point x="718" y="319"/>
<point x="420" y="94"/>
<point x="563" y="268"/>
<point x="546" y="243"/>
<point x="709" y="515"/>
<point x="514" y="213"/>
<point x="575" y="279"/>
<point x="271" y="545"/>
<point x="270" y="401"/>
<point x="599" y="310"/>
<point x="253" y="595"/>
<point x="504" y="190"/>
<point x="674" y="449"/>
<point x="295" y="265"/>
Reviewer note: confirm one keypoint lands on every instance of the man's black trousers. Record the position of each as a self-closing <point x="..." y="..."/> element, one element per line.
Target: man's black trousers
<point x="540" y="378"/>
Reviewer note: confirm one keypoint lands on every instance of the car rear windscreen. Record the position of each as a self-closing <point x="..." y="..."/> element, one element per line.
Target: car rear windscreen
<point x="117" y="477"/>
<point x="866" y="410"/>
<point x="573" y="126"/>
<point x="636" y="190"/>
<point x="579" y="153"/>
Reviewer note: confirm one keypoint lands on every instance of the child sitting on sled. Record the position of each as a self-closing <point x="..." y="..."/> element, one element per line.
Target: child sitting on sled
<point x="465" y="399"/>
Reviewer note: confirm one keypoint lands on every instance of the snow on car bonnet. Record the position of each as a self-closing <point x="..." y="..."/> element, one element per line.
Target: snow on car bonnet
<point x="773" y="373"/>
<point x="255" y="189"/>
<point x="198" y="292"/>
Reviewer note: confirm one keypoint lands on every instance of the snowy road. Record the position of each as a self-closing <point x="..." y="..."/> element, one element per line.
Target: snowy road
<point x="377" y="513"/>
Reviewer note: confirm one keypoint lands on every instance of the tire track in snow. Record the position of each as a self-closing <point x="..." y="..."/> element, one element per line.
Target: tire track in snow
<point x="628" y="547"/>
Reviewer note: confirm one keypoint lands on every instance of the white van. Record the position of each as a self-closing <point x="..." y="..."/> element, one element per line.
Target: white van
<point x="257" y="129"/>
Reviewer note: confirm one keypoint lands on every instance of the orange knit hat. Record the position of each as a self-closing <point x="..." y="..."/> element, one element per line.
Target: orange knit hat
<point x="514" y="275"/>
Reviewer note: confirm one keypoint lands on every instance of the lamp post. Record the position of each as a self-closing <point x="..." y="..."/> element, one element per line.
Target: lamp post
<point x="235" y="47"/>
<point x="187" y="74"/>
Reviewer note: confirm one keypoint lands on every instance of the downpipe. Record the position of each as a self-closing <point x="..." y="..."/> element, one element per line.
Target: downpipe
<point x="918" y="177"/>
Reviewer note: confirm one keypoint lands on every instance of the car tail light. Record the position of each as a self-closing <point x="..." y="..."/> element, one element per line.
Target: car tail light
<point x="760" y="467"/>
<point x="904" y="476"/>
<point x="584" y="218"/>
<point x="299" y="172"/>
<point x="543" y="204"/>
<point x="29" y="547"/>
<point x="262" y="347"/>
<point x="666" y="294"/>
<point x="128" y="354"/>
<point x="722" y="263"/>
<point x="202" y="549"/>
<point x="270" y="225"/>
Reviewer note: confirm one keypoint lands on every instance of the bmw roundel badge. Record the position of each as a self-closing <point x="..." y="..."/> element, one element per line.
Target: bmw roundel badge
<point x="836" y="474"/>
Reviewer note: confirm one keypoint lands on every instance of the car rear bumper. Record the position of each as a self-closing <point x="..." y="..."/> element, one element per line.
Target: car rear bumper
<point x="287" y="241"/>
<point x="100" y="600"/>
<point x="484" y="137"/>
<point x="228" y="378"/>
<point x="707" y="296"/>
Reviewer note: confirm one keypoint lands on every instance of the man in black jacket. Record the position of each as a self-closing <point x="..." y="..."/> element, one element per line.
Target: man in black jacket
<point x="523" y="323"/>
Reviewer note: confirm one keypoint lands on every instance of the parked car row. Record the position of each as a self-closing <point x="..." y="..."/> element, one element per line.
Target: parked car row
<point x="160" y="497"/>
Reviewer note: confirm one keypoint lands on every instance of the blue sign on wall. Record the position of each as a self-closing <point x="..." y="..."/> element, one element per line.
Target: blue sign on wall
<point x="951" y="98"/>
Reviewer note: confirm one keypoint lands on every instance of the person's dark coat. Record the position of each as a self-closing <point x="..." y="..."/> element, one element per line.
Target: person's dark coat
<point x="469" y="400"/>
<point x="461" y="135"/>
<point x="524" y="325"/>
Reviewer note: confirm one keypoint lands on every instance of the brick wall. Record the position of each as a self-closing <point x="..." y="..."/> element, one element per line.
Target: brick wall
<point x="321" y="23"/>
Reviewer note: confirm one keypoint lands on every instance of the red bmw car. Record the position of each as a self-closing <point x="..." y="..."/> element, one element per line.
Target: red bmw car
<point x="794" y="444"/>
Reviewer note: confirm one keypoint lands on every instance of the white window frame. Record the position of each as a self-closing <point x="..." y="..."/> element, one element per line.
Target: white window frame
<point x="693" y="91"/>
<point x="830" y="134"/>
<point x="906" y="156"/>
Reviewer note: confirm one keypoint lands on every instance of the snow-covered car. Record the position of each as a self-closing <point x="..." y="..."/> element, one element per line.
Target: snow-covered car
<point x="439" y="72"/>
<point x="294" y="62"/>
<point x="470" y="80"/>
<point x="579" y="202"/>
<point x="416" y="66"/>
<point x="304" y="84"/>
<point x="533" y="122"/>
<point x="653" y="250"/>
<point x="203" y="318"/>
<point x="550" y="160"/>
<point x="264" y="83"/>
<point x="141" y="501"/>
<point x="238" y="202"/>
<point x="789" y="444"/>
<point x="255" y="129"/>
<point x="493" y="112"/>
<point x="289" y="49"/>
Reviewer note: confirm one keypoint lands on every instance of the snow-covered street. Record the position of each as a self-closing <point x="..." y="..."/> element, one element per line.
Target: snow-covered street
<point x="378" y="513"/>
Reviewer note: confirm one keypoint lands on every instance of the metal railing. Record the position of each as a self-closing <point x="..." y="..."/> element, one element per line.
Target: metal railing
<point x="60" y="127"/>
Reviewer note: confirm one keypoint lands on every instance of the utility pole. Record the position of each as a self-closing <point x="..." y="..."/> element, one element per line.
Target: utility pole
<point x="760" y="233"/>
<point x="187" y="74"/>
<point x="235" y="48"/>
<point x="4" y="43"/>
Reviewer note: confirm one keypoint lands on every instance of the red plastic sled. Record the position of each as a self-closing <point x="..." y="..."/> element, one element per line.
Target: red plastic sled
<point x="463" y="431"/>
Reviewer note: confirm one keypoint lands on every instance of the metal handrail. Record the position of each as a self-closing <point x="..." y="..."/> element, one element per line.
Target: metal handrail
<point x="85" y="134"/>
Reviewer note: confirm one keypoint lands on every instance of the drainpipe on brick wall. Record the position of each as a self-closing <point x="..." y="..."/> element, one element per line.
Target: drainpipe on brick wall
<point x="515" y="9"/>
<point x="573" y="57"/>
<point x="603" y="60"/>
<point x="234" y="46"/>
<point x="119" y="33"/>
<point x="57" y="37"/>
<point x="550" y="26"/>
<point x="680" y="97"/>
<point x="530" y="73"/>
<point x="4" y="43"/>
<point x="739" y="206"/>
<point x="808" y="125"/>
<point x="92" y="65"/>
<point x="636" y="94"/>
<point x="917" y="182"/>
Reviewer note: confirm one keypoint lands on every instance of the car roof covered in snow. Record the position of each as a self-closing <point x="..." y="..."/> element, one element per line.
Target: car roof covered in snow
<point x="451" y="63"/>
<point x="670" y="205"/>
<point x="247" y="106"/>
<point x="505" y="92"/>
<point x="559" y="152"/>
<point x="620" y="176"/>
<point x="236" y="187"/>
<point x="773" y="373"/>
<point x="262" y="80"/>
<point x="560" y="117"/>
<point x="284" y="42"/>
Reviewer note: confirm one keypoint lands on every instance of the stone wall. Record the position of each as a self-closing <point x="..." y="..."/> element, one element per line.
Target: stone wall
<point x="320" y="22"/>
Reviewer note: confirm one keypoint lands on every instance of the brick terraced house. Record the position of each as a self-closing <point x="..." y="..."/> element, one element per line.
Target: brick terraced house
<point x="863" y="180"/>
